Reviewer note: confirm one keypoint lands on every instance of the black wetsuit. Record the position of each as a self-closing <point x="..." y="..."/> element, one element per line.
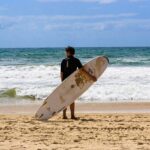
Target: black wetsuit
<point x="69" y="65"/>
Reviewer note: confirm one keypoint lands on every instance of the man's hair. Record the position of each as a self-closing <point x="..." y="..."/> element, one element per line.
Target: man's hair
<point x="71" y="50"/>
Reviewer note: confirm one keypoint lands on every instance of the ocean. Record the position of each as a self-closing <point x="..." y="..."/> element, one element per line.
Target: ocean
<point x="29" y="75"/>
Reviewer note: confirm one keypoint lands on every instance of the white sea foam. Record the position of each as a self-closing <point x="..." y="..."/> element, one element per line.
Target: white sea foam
<point x="117" y="83"/>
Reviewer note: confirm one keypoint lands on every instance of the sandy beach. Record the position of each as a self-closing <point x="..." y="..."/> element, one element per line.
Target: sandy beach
<point x="103" y="129"/>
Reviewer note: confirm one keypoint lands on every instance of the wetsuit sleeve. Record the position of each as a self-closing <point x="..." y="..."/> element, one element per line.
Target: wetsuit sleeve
<point x="62" y="66"/>
<point x="79" y="64"/>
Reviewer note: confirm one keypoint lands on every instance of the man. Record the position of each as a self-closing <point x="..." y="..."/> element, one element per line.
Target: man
<point x="68" y="66"/>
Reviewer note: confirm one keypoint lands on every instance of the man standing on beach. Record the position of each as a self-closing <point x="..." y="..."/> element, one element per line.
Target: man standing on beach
<point x="68" y="66"/>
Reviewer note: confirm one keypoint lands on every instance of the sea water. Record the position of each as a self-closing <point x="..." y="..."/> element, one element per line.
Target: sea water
<point x="29" y="75"/>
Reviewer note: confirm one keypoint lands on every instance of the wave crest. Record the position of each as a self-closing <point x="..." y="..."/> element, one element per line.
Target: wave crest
<point x="12" y="93"/>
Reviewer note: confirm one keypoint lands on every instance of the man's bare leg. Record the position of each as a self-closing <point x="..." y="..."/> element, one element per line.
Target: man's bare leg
<point x="64" y="114"/>
<point x="72" y="109"/>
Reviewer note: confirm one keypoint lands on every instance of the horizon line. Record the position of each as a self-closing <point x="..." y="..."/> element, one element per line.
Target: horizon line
<point x="76" y="47"/>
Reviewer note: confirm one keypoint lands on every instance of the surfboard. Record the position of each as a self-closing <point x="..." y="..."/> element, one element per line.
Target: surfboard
<point x="71" y="88"/>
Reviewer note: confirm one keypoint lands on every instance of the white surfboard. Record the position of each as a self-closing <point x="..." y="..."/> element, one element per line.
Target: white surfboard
<point x="71" y="88"/>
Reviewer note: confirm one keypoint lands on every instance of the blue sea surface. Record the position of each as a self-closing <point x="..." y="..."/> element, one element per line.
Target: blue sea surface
<point x="123" y="56"/>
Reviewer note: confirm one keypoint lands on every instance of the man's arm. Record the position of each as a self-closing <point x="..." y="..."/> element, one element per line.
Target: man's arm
<point x="62" y="70"/>
<point x="61" y="76"/>
<point x="79" y="64"/>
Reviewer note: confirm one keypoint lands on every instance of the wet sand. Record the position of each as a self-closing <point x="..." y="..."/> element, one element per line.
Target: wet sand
<point x="83" y="108"/>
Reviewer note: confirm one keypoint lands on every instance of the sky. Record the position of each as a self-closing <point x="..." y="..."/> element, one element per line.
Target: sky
<point x="79" y="23"/>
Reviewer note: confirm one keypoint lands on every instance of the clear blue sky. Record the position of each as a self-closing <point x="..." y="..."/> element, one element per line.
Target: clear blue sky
<point x="58" y="23"/>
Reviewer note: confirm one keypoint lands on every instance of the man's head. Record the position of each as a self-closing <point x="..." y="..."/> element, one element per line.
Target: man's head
<point x="70" y="51"/>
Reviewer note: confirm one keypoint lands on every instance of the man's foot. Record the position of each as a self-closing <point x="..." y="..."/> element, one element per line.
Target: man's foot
<point x="65" y="117"/>
<point x="74" y="118"/>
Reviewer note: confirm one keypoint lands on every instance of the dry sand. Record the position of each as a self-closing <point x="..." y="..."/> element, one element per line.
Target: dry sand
<point x="93" y="131"/>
